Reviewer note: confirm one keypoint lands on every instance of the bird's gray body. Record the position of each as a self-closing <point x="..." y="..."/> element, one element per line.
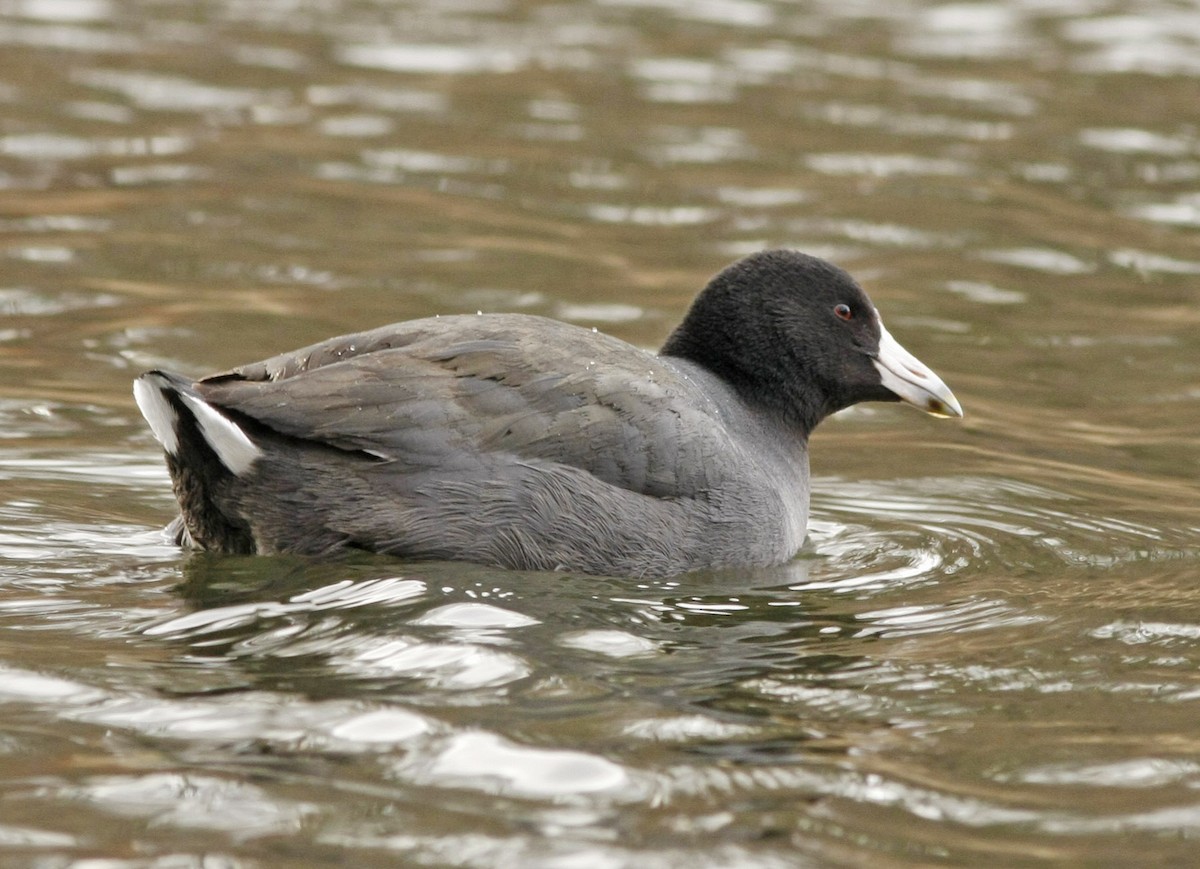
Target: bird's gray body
<point x="504" y="439"/>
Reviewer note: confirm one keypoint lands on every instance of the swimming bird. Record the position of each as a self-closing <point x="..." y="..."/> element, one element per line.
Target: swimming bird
<point x="524" y="442"/>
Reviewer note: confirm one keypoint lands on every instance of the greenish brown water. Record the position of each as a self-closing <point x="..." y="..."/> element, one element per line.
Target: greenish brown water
<point x="989" y="653"/>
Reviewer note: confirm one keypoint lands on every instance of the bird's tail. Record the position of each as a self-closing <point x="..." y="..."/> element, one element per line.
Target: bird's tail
<point x="206" y="451"/>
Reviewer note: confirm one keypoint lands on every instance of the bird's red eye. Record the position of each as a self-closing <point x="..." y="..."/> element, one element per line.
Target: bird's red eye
<point x="844" y="312"/>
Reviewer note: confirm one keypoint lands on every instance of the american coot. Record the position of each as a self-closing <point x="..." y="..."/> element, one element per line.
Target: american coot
<point x="523" y="442"/>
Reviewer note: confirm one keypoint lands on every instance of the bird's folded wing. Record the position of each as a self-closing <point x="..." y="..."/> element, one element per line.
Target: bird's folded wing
<point x="433" y="393"/>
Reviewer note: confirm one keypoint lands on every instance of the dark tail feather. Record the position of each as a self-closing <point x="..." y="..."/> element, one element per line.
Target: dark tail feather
<point x="206" y="452"/>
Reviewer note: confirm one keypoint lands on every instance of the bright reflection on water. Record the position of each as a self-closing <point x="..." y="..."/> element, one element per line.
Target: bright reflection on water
<point x="987" y="652"/>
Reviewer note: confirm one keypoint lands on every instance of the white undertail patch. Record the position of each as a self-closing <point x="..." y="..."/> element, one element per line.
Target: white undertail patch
<point x="147" y="392"/>
<point x="236" y="451"/>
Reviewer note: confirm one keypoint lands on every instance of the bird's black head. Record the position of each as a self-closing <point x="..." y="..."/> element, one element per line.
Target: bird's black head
<point x="797" y="334"/>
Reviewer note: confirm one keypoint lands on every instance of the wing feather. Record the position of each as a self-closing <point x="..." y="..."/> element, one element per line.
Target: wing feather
<point x="533" y="388"/>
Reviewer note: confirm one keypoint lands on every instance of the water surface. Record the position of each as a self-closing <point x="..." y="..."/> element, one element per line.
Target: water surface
<point x="988" y="652"/>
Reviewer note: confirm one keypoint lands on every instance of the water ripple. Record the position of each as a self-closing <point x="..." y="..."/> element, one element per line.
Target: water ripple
<point x="158" y="92"/>
<point x="427" y="58"/>
<point x="493" y="764"/>
<point x="938" y="527"/>
<point x="193" y="801"/>
<point x="342" y="595"/>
